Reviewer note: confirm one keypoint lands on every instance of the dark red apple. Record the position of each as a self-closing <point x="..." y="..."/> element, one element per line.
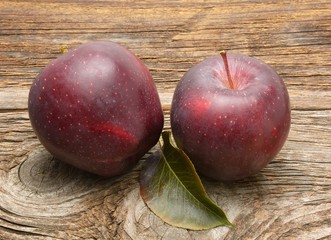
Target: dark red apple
<point x="231" y="115"/>
<point x="96" y="108"/>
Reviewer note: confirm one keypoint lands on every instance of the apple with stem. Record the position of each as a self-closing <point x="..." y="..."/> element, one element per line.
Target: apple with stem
<point x="96" y="108"/>
<point x="231" y="115"/>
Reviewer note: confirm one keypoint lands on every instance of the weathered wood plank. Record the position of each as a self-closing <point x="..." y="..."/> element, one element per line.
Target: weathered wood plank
<point x="41" y="198"/>
<point x="295" y="39"/>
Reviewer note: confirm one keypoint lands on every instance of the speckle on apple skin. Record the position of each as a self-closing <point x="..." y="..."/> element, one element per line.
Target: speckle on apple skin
<point x="228" y="133"/>
<point x="96" y="108"/>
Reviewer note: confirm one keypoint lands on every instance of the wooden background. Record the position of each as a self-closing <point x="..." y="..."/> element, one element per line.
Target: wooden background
<point x="290" y="199"/>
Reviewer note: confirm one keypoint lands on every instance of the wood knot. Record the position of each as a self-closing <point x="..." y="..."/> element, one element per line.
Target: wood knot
<point x="42" y="173"/>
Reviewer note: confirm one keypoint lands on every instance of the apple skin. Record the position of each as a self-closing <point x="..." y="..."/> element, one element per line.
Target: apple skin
<point x="230" y="133"/>
<point x="96" y="108"/>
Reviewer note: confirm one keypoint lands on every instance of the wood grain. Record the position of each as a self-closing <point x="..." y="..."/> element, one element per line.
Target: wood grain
<point x="41" y="198"/>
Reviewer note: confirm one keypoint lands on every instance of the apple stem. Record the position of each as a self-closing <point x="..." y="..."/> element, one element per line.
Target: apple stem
<point x="227" y="69"/>
<point x="64" y="49"/>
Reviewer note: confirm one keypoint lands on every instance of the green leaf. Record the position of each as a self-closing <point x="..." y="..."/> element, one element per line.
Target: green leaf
<point x="172" y="189"/>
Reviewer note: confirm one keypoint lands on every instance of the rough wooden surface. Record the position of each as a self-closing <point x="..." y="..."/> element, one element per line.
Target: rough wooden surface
<point x="290" y="199"/>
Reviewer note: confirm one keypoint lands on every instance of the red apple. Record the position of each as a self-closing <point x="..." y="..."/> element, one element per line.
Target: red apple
<point x="231" y="115"/>
<point x="96" y="108"/>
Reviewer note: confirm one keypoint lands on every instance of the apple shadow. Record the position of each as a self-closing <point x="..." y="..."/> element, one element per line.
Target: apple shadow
<point x="249" y="189"/>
